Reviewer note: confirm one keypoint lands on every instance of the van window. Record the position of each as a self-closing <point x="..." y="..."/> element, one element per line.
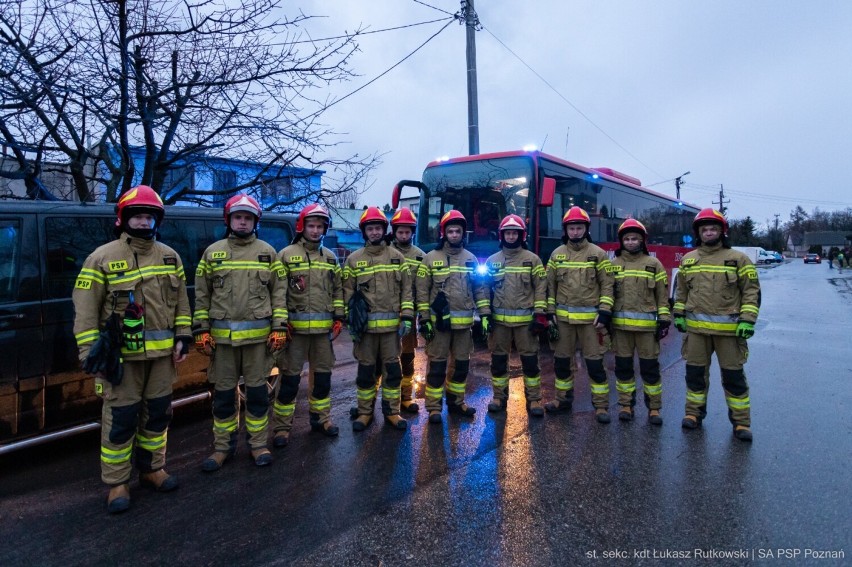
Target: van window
<point x="190" y="238"/>
<point x="70" y="240"/>
<point x="10" y="250"/>
<point x="277" y="235"/>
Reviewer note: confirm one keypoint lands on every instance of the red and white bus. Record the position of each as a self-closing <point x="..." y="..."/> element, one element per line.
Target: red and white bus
<point x="540" y="188"/>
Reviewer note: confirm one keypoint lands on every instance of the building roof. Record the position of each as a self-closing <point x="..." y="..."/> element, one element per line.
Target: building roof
<point x="826" y="238"/>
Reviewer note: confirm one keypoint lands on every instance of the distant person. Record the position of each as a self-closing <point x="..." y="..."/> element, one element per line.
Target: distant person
<point x="579" y="299"/>
<point x="377" y="289"/>
<point x="830" y="259"/>
<point x="640" y="318"/>
<point x="240" y="322"/>
<point x="840" y="259"/>
<point x="138" y="284"/>
<point x="716" y="305"/>
<point x="518" y="306"/>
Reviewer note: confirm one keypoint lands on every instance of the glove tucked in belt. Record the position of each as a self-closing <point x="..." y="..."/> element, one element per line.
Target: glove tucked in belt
<point x="204" y="343"/>
<point x="276" y="341"/>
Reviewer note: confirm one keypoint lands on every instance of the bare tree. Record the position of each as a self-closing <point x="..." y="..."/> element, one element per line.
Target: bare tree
<point x="180" y="83"/>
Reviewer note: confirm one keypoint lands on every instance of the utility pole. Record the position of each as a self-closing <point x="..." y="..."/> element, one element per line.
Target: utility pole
<point x="677" y="183"/>
<point x="471" y="22"/>
<point x="722" y="200"/>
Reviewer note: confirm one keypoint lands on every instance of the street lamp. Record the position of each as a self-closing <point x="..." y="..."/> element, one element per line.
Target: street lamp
<point x="677" y="183"/>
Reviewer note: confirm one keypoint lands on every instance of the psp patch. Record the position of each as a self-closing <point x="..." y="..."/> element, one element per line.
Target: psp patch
<point x="218" y="255"/>
<point x="118" y="266"/>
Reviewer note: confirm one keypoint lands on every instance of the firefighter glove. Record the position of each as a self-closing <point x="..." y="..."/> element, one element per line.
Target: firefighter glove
<point x="486" y="326"/>
<point x="538" y="324"/>
<point x="405" y="328"/>
<point x="204" y="343"/>
<point x="745" y="330"/>
<point x="553" y="331"/>
<point x="184" y="344"/>
<point x="441" y="308"/>
<point x="662" y="329"/>
<point x="604" y="318"/>
<point x="336" y="327"/>
<point x="680" y="324"/>
<point x="426" y="330"/>
<point x="276" y="341"/>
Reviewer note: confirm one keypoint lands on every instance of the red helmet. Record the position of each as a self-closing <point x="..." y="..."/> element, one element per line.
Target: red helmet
<point x="372" y="215"/>
<point x="576" y="215"/>
<point x="244" y="203"/>
<point x="513" y="222"/>
<point x="140" y="199"/>
<point x="710" y="215"/>
<point x="452" y="217"/>
<point x="404" y="217"/>
<point x="632" y="225"/>
<point x="315" y="210"/>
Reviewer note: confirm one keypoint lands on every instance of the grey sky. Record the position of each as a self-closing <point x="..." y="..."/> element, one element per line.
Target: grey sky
<point x="754" y="95"/>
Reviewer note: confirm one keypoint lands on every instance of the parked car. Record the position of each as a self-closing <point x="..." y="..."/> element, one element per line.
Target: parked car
<point x="812" y="259"/>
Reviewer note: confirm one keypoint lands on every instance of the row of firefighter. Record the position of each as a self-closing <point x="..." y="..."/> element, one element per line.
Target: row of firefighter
<point x="257" y="307"/>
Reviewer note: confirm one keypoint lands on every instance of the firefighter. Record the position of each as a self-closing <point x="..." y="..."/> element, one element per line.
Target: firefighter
<point x="240" y="321"/>
<point x="448" y="290"/>
<point x="640" y="318"/>
<point x="579" y="298"/>
<point x="377" y="282"/>
<point x="403" y="224"/>
<point x="141" y="282"/>
<point x="518" y="309"/>
<point x="716" y="304"/>
<point x="315" y="311"/>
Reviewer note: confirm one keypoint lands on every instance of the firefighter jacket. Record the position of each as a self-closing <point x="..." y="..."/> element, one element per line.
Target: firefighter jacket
<point x="453" y="271"/>
<point x="641" y="292"/>
<point x="518" y="286"/>
<point x="413" y="258"/>
<point x="238" y="296"/>
<point x="578" y="283"/>
<point x="382" y="275"/>
<point x="146" y="271"/>
<point x="314" y="289"/>
<point x="716" y="288"/>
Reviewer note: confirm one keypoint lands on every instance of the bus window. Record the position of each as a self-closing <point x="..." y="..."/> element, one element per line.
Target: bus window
<point x="277" y="234"/>
<point x="70" y="240"/>
<point x="10" y="246"/>
<point x="189" y="238"/>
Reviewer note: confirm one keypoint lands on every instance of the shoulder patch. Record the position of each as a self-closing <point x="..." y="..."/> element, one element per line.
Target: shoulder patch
<point x="83" y="283"/>
<point x="395" y="261"/>
<point x="612" y="268"/>
<point x="731" y="263"/>
<point x="118" y="266"/>
<point x="651" y="269"/>
<point x="496" y="265"/>
<point x="331" y="261"/>
<point x="560" y="256"/>
<point x="361" y="264"/>
<point x="528" y="264"/>
<point x="218" y="255"/>
<point x="295" y="259"/>
<point x="591" y="259"/>
<point x="437" y="263"/>
<point x="170" y="261"/>
<point x="419" y="258"/>
<point x="688" y="261"/>
<point x="264" y="258"/>
<point x="469" y="264"/>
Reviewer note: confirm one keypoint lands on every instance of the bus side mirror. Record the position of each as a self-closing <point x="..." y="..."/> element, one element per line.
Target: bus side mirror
<point x="548" y="190"/>
<point x="397" y="189"/>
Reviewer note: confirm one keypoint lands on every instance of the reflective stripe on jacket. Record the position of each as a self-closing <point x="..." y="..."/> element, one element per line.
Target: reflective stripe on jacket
<point x="578" y="283"/>
<point x="238" y="296"/>
<point x="716" y="287"/>
<point x="314" y="289"/>
<point x="518" y="286"/>
<point x="383" y="277"/>
<point x="150" y="271"/>
<point x="641" y="292"/>
<point x="453" y="271"/>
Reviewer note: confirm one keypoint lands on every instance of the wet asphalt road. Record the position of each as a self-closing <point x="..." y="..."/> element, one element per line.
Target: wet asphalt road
<point x="514" y="490"/>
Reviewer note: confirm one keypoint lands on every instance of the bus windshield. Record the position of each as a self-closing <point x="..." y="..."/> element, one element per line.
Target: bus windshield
<point x="484" y="192"/>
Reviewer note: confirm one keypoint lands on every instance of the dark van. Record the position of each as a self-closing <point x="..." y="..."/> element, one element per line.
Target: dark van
<point x="43" y="393"/>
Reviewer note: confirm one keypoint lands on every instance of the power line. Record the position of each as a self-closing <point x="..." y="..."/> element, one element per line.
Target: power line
<point x="434" y="7"/>
<point x="359" y="33"/>
<point x="571" y="104"/>
<point x="380" y="75"/>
